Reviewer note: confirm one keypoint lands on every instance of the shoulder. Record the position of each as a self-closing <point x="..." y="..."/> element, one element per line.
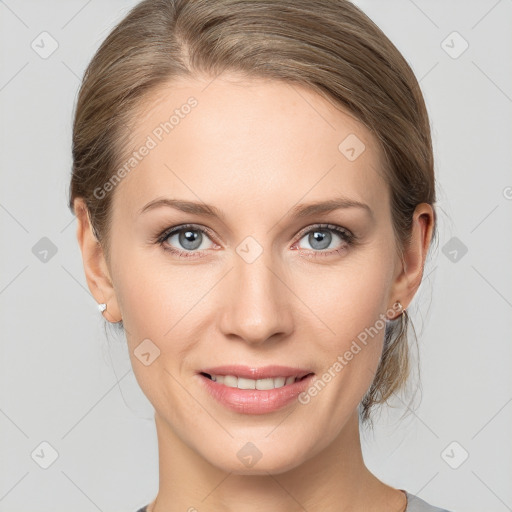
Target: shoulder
<point x="143" y="509"/>
<point x="415" y="504"/>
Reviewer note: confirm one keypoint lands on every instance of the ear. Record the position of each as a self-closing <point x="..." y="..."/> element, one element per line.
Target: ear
<point x="410" y="269"/>
<point x="95" y="266"/>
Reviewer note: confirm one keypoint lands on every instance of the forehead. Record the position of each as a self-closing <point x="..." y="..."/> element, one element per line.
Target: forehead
<point x="248" y="143"/>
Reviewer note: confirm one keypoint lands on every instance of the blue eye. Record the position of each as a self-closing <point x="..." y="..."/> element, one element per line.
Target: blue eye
<point x="320" y="238"/>
<point x="191" y="237"/>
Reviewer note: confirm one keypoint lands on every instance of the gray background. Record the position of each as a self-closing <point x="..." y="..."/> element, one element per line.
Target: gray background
<point x="63" y="382"/>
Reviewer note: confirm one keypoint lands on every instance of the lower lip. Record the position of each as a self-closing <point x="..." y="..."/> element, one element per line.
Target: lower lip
<point x="255" y="401"/>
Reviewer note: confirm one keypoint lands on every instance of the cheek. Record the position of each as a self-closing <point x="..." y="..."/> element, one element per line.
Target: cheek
<point x="151" y="295"/>
<point x="351" y="311"/>
<point x="350" y="299"/>
<point x="154" y="305"/>
<point x="162" y="303"/>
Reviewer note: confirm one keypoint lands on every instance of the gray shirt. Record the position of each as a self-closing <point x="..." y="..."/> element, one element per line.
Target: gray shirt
<point x="414" y="504"/>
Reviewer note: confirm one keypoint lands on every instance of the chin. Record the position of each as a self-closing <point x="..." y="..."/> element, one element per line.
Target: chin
<point x="255" y="459"/>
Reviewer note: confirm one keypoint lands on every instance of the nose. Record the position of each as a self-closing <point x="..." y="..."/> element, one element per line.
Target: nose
<point x="256" y="301"/>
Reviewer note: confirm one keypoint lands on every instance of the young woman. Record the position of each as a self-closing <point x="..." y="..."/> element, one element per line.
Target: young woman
<point x="254" y="187"/>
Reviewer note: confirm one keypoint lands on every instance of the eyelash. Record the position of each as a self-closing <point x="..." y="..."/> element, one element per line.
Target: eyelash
<point x="349" y="239"/>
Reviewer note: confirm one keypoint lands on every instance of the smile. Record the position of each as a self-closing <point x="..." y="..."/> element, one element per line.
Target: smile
<point x="249" y="390"/>
<point x="232" y="381"/>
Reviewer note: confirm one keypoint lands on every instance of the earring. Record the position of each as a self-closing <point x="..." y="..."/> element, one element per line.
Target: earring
<point x="398" y="305"/>
<point x="102" y="307"/>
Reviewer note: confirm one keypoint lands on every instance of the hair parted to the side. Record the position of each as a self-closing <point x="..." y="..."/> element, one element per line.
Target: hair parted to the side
<point x="328" y="46"/>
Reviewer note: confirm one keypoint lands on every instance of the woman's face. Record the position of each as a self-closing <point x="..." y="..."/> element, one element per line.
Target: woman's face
<point x="256" y="280"/>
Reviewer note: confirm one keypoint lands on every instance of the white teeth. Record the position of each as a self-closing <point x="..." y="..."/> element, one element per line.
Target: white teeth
<point x="265" y="384"/>
<point x="279" y="382"/>
<point x="262" y="384"/>
<point x="230" y="381"/>
<point x="246" y="383"/>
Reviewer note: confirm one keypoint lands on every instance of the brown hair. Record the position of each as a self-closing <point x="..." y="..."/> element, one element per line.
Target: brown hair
<point x="329" y="46"/>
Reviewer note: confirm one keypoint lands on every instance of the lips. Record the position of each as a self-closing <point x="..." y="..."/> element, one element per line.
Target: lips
<point x="255" y="390"/>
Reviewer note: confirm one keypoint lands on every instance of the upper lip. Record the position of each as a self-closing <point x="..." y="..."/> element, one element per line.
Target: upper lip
<point x="264" y="372"/>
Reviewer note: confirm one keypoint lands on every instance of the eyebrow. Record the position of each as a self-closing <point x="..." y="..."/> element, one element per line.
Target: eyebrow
<point x="300" y="211"/>
<point x="306" y="210"/>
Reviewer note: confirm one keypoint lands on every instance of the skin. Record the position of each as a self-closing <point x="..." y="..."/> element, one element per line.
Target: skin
<point x="255" y="149"/>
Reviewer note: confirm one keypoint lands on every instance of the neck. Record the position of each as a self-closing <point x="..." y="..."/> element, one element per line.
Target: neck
<point x="333" y="480"/>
